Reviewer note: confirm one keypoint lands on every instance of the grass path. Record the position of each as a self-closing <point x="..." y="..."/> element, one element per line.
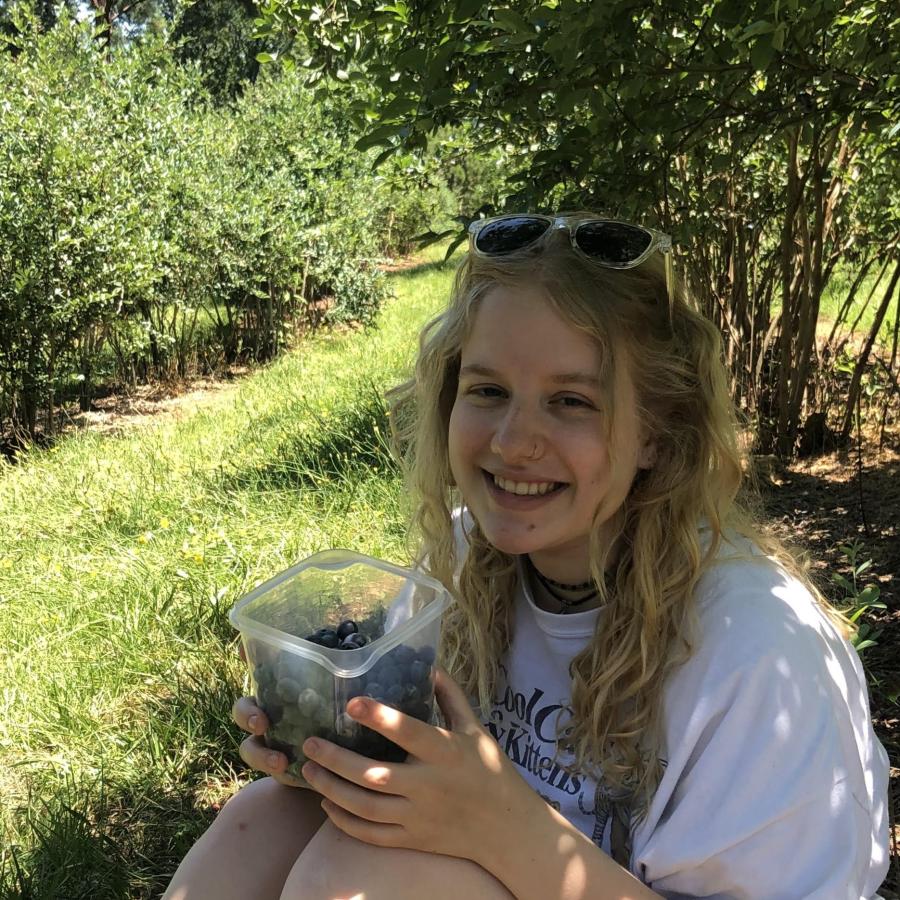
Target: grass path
<point x="120" y="557"/>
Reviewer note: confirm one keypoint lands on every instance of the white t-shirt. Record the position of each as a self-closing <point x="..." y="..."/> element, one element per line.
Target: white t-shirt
<point x="774" y="786"/>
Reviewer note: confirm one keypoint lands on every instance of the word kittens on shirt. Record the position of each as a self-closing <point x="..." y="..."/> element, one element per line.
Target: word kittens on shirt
<point x="526" y="729"/>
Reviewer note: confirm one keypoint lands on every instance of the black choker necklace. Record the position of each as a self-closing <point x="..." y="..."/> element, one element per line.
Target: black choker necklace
<point x="567" y="603"/>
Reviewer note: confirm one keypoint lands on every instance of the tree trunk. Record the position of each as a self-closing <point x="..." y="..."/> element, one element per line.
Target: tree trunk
<point x="785" y="436"/>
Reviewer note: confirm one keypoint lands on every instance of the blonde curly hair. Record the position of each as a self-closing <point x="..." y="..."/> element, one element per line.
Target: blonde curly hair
<point x="674" y="360"/>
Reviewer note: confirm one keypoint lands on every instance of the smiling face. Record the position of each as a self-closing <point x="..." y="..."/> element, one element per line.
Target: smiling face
<point x="527" y="438"/>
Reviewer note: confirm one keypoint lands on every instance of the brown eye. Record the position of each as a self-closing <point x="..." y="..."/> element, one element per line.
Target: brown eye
<point x="570" y="402"/>
<point x="486" y="392"/>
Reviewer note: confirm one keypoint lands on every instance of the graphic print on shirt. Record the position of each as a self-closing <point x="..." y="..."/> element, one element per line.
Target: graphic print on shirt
<point x="525" y="727"/>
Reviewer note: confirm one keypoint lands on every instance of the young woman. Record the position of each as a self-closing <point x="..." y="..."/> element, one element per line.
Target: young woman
<point x="643" y="694"/>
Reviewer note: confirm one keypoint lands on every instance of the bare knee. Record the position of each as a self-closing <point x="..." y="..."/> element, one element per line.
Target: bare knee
<point x="250" y="848"/>
<point x="335" y="866"/>
<point x="266" y="797"/>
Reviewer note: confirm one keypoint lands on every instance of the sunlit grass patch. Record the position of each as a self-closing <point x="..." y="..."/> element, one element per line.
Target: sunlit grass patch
<point x="120" y="556"/>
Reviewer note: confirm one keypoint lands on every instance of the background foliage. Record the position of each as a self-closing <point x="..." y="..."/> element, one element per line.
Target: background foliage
<point x="148" y="230"/>
<point x="164" y="210"/>
<point x="763" y="136"/>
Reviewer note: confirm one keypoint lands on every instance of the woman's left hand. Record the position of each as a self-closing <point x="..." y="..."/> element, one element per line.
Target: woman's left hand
<point x="451" y="796"/>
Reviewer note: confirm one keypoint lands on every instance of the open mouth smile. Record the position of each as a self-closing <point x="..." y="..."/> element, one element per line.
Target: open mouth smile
<point x="521" y="492"/>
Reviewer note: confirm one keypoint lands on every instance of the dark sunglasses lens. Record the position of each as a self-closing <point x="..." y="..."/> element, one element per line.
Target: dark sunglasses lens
<point x="612" y="243"/>
<point x="509" y="235"/>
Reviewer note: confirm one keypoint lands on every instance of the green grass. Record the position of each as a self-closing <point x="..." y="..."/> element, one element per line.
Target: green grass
<point x="120" y="557"/>
<point x="835" y="294"/>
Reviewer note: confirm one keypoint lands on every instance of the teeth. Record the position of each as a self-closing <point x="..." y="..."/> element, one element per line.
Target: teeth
<point x="524" y="488"/>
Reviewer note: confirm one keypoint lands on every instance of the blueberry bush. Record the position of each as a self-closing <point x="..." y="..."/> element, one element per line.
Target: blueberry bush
<point x="146" y="232"/>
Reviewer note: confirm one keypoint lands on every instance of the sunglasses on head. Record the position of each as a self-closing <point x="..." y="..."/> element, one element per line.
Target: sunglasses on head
<point x="616" y="245"/>
<point x="612" y="244"/>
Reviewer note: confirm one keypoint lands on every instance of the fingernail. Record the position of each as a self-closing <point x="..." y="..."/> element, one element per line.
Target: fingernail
<point x="253" y="722"/>
<point x="311" y="747"/>
<point x="360" y="707"/>
<point x="273" y="759"/>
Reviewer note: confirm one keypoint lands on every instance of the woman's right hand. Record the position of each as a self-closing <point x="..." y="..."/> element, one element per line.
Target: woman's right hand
<point x="249" y="717"/>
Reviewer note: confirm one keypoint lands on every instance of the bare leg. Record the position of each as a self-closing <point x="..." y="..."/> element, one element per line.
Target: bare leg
<point x="335" y="866"/>
<point x="250" y="848"/>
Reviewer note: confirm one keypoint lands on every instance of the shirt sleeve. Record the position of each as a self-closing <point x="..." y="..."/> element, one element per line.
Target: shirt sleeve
<point x="764" y="792"/>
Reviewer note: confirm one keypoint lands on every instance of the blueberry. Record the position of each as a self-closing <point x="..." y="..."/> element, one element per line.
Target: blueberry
<point x="274" y="712"/>
<point x="375" y="689"/>
<point x="312" y="638"/>
<point x="262" y="673"/>
<point x="393" y="696"/>
<point x="288" y="689"/>
<point x="290" y="666"/>
<point x="265" y="693"/>
<point x="281" y="747"/>
<point x="346" y="628"/>
<point x="293" y="719"/>
<point x="353" y="687"/>
<point x="410" y="694"/>
<point x="392" y="753"/>
<point x="327" y="637"/>
<point x="403" y="655"/>
<point x="427" y="655"/>
<point x="420" y="672"/>
<point x="388" y="674"/>
<point x="353" y="642"/>
<point x="308" y="702"/>
<point x="324" y="716"/>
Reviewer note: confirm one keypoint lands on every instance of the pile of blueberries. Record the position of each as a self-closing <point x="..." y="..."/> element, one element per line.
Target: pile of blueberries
<point x="301" y="698"/>
<point x="345" y="637"/>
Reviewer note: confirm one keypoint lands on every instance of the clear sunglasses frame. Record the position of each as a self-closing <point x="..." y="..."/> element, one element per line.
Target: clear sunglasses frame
<point x="658" y="241"/>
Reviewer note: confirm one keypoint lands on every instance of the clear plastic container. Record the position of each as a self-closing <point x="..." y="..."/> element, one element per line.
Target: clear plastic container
<point x="304" y="686"/>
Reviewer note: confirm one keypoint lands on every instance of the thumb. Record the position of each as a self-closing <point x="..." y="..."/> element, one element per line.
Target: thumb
<point x="453" y="702"/>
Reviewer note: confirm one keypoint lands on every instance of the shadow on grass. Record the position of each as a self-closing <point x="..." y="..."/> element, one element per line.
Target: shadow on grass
<point x="114" y="837"/>
<point x="101" y="842"/>
<point x="351" y="444"/>
<point x="425" y="268"/>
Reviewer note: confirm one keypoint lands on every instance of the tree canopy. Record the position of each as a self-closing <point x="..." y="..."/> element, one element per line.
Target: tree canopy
<point x="761" y="135"/>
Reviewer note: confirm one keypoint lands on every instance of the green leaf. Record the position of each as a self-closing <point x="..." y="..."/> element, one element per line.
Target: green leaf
<point x="454" y="244"/>
<point x="384" y="155"/>
<point x="757" y="28"/>
<point x="465" y="10"/>
<point x="762" y="53"/>
<point x="839" y="580"/>
<point x="431" y="237"/>
<point x="380" y="137"/>
<point x="265" y="57"/>
<point x="870" y="594"/>
<point x="400" y="106"/>
<point x="510" y="20"/>
<point x="414" y="58"/>
<point x="440" y="97"/>
<point x="864" y="645"/>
